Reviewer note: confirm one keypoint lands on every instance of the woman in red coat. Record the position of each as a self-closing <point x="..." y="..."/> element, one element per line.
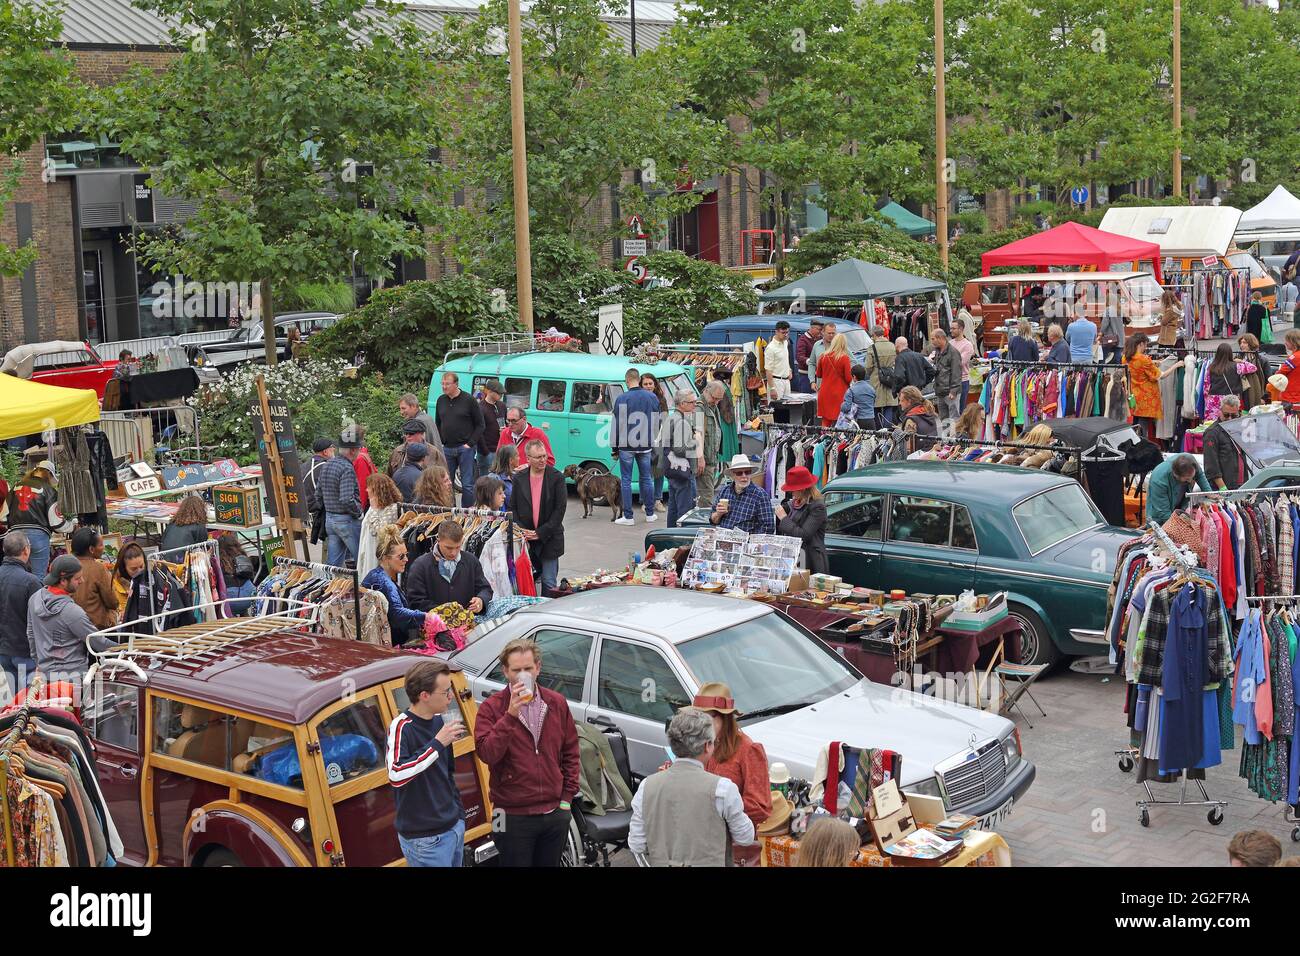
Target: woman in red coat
<point x="833" y="378"/>
<point x="740" y="760"/>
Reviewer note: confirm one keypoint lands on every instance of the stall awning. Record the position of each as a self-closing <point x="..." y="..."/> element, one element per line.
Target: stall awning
<point x="1193" y="231"/>
<point x="1072" y="244"/>
<point x="1280" y="211"/>
<point x="852" y="281"/>
<point x="30" y="407"/>
<point x="906" y="220"/>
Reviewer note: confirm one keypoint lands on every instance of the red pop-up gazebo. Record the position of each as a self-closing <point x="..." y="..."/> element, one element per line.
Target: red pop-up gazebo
<point x="1072" y="244"/>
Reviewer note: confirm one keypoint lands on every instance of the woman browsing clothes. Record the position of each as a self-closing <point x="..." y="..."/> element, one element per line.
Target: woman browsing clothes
<point x="390" y="552"/>
<point x="1224" y="378"/>
<point x="1144" y="379"/>
<point x="834" y="375"/>
<point x="806" y="517"/>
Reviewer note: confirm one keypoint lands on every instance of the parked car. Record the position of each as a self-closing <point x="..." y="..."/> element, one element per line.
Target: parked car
<point x="568" y="395"/>
<point x="248" y="342"/>
<point x="183" y="745"/>
<point x="66" y="364"/>
<point x="628" y="657"/>
<point x="943" y="528"/>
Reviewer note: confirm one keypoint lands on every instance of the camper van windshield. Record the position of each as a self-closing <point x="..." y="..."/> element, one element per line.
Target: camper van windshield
<point x="1144" y="289"/>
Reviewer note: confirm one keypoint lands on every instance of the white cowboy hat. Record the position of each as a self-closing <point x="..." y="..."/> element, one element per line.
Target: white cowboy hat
<point x="742" y="463"/>
<point x="778" y="773"/>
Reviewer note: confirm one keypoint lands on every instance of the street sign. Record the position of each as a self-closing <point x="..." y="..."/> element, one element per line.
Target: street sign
<point x="634" y="247"/>
<point x="636" y="225"/>
<point x="287" y="459"/>
<point x="609" y="338"/>
<point x="1079" y="195"/>
<point x="633" y="265"/>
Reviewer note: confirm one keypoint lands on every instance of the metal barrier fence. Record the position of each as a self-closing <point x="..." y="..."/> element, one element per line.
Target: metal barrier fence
<point x="139" y="434"/>
<point x="151" y="344"/>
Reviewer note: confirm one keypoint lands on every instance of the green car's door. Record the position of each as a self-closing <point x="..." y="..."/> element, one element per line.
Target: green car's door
<point x="929" y="546"/>
<point x="591" y="406"/>
<point x="551" y="415"/>
<point x="854" y="522"/>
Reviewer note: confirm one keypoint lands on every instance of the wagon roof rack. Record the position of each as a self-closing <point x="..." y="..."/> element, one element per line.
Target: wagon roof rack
<point x="498" y="343"/>
<point x="194" y="645"/>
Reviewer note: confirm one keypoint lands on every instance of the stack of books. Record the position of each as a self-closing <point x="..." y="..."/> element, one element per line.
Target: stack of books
<point x="956" y="826"/>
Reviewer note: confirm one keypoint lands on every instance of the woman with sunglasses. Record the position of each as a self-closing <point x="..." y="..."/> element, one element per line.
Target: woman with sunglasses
<point x="406" y="622"/>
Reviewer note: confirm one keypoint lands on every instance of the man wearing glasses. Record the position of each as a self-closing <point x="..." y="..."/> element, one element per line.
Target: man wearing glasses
<point x="519" y="433"/>
<point x="742" y="504"/>
<point x="430" y="816"/>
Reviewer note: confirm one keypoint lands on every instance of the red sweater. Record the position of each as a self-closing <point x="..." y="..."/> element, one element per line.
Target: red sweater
<point x="528" y="779"/>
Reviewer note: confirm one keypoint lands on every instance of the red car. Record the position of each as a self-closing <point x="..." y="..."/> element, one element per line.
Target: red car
<point x="67" y="364"/>
<point x="260" y="749"/>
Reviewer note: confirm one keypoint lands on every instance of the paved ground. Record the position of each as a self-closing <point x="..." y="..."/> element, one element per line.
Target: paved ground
<point x="1080" y="810"/>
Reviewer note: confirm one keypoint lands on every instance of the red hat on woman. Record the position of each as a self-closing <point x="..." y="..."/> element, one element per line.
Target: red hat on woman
<point x="798" y="478"/>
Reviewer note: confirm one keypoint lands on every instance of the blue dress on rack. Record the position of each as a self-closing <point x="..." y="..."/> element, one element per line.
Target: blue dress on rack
<point x="1190" y="714"/>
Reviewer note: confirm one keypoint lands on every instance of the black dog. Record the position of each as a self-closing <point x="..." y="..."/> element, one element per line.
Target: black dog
<point x="592" y="484"/>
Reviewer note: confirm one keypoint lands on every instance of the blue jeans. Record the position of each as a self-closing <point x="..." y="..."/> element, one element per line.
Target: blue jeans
<point x="18" y="671"/>
<point x="681" y="498"/>
<point x="462" y="459"/>
<point x="550" y="574"/>
<point x="344" y="538"/>
<point x="642" y="459"/>
<point x="245" y="590"/>
<point x="484" y="463"/>
<point x="444" y="849"/>
<point x="40" y="559"/>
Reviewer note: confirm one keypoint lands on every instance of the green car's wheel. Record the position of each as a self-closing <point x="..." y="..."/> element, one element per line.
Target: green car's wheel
<point x="1036" y="645"/>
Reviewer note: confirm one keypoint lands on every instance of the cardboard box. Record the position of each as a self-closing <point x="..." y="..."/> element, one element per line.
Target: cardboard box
<point x="798" y="580"/>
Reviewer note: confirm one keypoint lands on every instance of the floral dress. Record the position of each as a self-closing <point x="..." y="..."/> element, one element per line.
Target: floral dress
<point x="1212" y="402"/>
<point x="1145" y="380"/>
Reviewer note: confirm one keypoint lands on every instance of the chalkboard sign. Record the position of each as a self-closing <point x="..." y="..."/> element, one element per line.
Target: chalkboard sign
<point x="238" y="506"/>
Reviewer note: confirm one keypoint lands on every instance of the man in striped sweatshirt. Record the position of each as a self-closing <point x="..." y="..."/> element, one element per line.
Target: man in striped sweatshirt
<point x="430" y="815"/>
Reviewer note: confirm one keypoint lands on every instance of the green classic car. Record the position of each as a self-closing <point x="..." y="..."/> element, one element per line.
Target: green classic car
<point x="941" y="528"/>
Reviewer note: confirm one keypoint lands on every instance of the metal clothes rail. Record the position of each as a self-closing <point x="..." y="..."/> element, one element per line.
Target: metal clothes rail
<point x="12" y="737"/>
<point x="1243" y="492"/>
<point x="507" y="516"/>
<point x="332" y="571"/>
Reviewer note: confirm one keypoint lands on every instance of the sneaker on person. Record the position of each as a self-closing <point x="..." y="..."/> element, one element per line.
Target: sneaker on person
<point x="651" y="518"/>
<point x="660" y="506"/>
<point x="622" y="520"/>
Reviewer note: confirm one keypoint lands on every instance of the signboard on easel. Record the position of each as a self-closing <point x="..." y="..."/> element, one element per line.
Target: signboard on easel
<point x="277" y="451"/>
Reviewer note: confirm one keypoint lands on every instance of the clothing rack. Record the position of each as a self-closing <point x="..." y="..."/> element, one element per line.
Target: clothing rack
<point x="334" y="572"/>
<point x="209" y="545"/>
<point x="1292" y="598"/>
<point x="1236" y="492"/>
<point x="1027" y="364"/>
<point x="507" y="516"/>
<point x="1215" y="816"/>
<point x="6" y="747"/>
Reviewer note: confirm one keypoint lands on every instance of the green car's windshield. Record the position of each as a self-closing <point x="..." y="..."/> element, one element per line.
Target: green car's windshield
<point x="1053" y="516"/>
<point x="767" y="662"/>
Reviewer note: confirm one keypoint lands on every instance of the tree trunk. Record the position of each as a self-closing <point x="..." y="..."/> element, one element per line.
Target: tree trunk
<point x="779" y="239"/>
<point x="268" y="324"/>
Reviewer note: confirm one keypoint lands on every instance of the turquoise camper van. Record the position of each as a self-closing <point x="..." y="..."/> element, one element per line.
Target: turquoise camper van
<point x="568" y="395"/>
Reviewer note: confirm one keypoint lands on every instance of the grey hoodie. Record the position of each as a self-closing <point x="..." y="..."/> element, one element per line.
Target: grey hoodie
<point x="57" y="628"/>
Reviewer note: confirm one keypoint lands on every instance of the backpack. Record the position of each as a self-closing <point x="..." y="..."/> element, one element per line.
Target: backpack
<point x="887" y="377"/>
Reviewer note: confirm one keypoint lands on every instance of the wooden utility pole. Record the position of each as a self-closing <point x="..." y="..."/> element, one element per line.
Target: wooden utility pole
<point x="1178" y="97"/>
<point x="940" y="140"/>
<point x="523" y="247"/>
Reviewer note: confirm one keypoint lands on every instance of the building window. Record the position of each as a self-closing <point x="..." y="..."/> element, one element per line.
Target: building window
<point x="77" y="150"/>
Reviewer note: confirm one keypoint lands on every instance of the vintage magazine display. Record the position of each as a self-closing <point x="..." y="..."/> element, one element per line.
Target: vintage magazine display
<point x="727" y="560"/>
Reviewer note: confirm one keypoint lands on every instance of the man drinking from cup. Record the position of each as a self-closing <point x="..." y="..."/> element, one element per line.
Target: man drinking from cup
<point x="430" y="817"/>
<point x="741" y="504"/>
<point x="526" y="736"/>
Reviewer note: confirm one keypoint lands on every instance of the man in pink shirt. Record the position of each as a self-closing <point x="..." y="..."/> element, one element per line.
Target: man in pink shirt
<point x="518" y="433"/>
<point x="966" y="348"/>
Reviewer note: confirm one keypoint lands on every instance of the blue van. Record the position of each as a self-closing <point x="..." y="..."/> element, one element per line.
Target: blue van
<point x="746" y="328"/>
<point x="568" y="395"/>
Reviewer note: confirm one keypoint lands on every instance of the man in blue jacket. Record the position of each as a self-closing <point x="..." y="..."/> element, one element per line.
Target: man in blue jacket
<point x="632" y="438"/>
<point x="1168" y="486"/>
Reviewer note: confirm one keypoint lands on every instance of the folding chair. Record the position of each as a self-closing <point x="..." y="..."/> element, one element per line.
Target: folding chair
<point x="1014" y="680"/>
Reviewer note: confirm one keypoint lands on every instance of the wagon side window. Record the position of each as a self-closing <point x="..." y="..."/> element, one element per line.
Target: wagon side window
<point x="593" y="398"/>
<point x="519" y="392"/>
<point x="352" y="741"/>
<point x="550" y="395"/>
<point x="114" y="716"/>
<point x="192" y="733"/>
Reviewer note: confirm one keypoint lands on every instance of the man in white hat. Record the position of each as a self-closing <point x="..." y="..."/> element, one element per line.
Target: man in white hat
<point x="741" y="504"/>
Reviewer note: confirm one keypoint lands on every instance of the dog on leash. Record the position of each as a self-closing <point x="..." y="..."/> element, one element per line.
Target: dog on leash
<point x="592" y="483"/>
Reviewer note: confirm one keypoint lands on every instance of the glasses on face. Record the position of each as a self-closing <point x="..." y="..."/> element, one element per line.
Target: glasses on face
<point x="401" y="557"/>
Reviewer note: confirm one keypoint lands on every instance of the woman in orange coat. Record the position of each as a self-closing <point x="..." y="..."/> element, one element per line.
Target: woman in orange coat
<point x="1144" y="379"/>
<point x="740" y="760"/>
<point x="834" y="373"/>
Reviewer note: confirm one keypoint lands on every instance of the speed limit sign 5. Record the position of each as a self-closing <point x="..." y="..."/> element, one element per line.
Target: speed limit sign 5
<point x="634" y="266"/>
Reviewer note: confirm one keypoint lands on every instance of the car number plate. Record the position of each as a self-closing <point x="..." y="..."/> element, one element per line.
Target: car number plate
<point x="991" y="821"/>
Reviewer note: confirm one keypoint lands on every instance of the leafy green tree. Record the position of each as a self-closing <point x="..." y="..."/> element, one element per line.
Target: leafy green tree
<point x="594" y="117"/>
<point x="1059" y="93"/>
<point x="405" y="331"/>
<point x="268" y="122"/>
<point x="819" y="93"/>
<point x="870" y="240"/>
<point x="37" y="96"/>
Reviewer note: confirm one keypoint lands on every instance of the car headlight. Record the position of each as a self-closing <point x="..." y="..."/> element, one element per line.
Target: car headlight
<point x="1011" y="747"/>
<point x="929" y="787"/>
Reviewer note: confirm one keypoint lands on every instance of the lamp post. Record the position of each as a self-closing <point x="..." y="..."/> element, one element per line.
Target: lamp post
<point x="634" y="28"/>
<point x="940" y="139"/>
<point x="523" y="248"/>
<point x="1178" y="97"/>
